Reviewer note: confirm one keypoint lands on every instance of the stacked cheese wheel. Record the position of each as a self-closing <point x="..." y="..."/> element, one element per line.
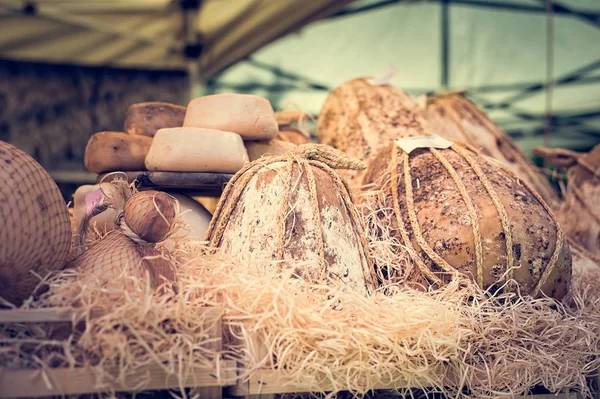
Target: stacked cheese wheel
<point x="217" y="133"/>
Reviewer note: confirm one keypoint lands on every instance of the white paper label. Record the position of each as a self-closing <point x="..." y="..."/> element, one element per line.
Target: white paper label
<point x="409" y="144"/>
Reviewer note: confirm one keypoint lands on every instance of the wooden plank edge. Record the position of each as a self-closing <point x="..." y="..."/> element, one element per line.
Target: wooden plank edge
<point x="267" y="382"/>
<point x="76" y="381"/>
<point x="61" y="314"/>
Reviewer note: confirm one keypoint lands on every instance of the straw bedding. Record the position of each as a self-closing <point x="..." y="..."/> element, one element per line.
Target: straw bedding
<point x="452" y="340"/>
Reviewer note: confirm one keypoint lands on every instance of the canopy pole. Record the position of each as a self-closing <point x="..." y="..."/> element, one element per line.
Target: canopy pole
<point x="193" y="47"/>
<point x="445" y="31"/>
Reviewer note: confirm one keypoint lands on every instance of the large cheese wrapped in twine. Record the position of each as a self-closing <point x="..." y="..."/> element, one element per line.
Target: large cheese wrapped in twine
<point x="454" y="210"/>
<point x="295" y="209"/>
<point x="579" y="214"/>
<point x="455" y="117"/>
<point x="143" y="219"/>
<point x="360" y="117"/>
<point x="34" y="225"/>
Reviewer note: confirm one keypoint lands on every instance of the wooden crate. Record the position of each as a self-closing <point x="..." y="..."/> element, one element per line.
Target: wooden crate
<point x="75" y="381"/>
<point x="204" y="382"/>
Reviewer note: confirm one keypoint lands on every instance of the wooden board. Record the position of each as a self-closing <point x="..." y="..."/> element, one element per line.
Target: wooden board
<point x="75" y="381"/>
<point x="191" y="183"/>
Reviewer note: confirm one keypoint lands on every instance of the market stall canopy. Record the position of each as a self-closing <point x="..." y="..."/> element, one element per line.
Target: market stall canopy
<point x="496" y="50"/>
<point x="519" y="59"/>
<point x="150" y="34"/>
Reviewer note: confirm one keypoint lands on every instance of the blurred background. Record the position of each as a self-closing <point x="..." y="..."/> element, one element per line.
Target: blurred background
<point x="70" y="68"/>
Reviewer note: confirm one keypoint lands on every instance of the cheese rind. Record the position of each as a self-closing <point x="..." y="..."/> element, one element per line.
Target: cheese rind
<point x="147" y="118"/>
<point x="187" y="149"/>
<point x="112" y="151"/>
<point x="251" y="117"/>
<point x="257" y="149"/>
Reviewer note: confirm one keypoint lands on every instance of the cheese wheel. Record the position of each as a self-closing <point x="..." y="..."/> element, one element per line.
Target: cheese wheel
<point x="249" y="116"/>
<point x="186" y="149"/>
<point x="104" y="222"/>
<point x="257" y="149"/>
<point x="147" y="118"/>
<point x="112" y="151"/>
<point x="293" y="135"/>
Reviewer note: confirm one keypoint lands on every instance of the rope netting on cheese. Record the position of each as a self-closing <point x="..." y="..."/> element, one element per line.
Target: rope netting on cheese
<point x="393" y="178"/>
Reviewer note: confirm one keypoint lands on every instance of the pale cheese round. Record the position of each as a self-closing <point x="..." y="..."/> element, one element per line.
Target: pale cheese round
<point x="252" y="117"/>
<point x="188" y="149"/>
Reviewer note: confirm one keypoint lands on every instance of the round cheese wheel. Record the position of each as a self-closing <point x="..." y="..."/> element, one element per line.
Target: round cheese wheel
<point x="250" y="116"/>
<point x="187" y="149"/>
<point x="111" y="151"/>
<point x="147" y="118"/>
<point x="257" y="149"/>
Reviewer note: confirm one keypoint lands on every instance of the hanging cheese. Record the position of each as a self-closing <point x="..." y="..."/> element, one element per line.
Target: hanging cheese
<point x="147" y="118"/>
<point x="455" y="210"/>
<point x="112" y="151"/>
<point x="360" y="118"/>
<point x="249" y="116"/>
<point x="189" y="149"/>
<point x="455" y="117"/>
<point x="295" y="209"/>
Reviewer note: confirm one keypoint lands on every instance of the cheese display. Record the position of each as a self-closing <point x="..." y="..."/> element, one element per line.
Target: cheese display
<point x="249" y="116"/>
<point x="35" y="236"/>
<point x="258" y="149"/>
<point x="457" y="211"/>
<point x="188" y="149"/>
<point x="297" y="210"/>
<point x="455" y="117"/>
<point x="114" y="151"/>
<point x="147" y="118"/>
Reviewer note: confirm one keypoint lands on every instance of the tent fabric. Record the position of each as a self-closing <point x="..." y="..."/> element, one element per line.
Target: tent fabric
<point x="495" y="49"/>
<point x="496" y="52"/>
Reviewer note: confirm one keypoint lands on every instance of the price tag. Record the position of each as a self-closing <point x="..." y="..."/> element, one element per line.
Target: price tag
<point x="409" y="144"/>
<point x="95" y="202"/>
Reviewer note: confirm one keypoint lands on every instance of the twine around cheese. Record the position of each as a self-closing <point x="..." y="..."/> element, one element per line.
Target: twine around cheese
<point x="306" y="157"/>
<point x="400" y="161"/>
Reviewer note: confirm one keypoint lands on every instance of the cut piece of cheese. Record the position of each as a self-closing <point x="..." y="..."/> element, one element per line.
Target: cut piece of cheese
<point x="252" y="117"/>
<point x="102" y="223"/>
<point x="210" y="203"/>
<point x="257" y="149"/>
<point x="188" y="149"/>
<point x="116" y="151"/>
<point x="147" y="118"/>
